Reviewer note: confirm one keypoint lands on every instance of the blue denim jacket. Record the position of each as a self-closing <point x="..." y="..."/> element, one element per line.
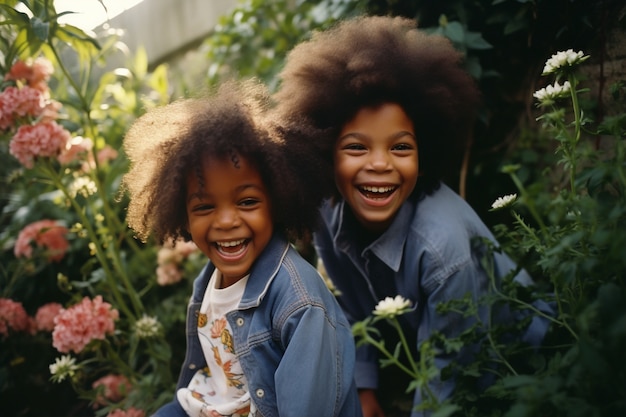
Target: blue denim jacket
<point x="427" y="256"/>
<point x="294" y="343"/>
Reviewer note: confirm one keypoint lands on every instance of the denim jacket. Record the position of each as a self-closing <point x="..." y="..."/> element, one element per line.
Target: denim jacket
<point x="428" y="255"/>
<point x="294" y="343"/>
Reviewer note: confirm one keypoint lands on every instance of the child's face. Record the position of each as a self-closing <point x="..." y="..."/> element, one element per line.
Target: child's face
<point x="376" y="163"/>
<point x="229" y="218"/>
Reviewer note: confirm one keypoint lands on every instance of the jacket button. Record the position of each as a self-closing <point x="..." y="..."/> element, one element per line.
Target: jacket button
<point x="192" y="366"/>
<point x="260" y="393"/>
<point x="239" y="321"/>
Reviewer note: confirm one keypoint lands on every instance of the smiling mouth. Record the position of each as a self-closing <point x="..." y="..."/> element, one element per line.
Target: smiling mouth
<point x="377" y="193"/>
<point x="233" y="247"/>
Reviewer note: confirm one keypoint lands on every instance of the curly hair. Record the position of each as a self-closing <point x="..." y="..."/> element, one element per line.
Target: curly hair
<point x="169" y="143"/>
<point x="372" y="60"/>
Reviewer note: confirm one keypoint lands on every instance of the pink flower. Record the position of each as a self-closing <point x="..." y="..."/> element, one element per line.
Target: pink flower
<point x="106" y="154"/>
<point x="46" y="139"/>
<point x="48" y="235"/>
<point x="19" y="103"/>
<point x="168" y="274"/>
<point x="131" y="412"/>
<point x="78" y="325"/>
<point x="35" y="73"/>
<point x="78" y="149"/>
<point x="185" y="248"/>
<point x="13" y="317"/>
<point x="6" y="112"/>
<point x="50" y="111"/>
<point x="115" y="388"/>
<point x="44" y="318"/>
<point x="169" y="260"/>
<point x="26" y="101"/>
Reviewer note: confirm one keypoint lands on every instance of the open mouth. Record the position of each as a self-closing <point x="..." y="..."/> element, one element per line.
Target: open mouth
<point x="231" y="248"/>
<point x="377" y="193"/>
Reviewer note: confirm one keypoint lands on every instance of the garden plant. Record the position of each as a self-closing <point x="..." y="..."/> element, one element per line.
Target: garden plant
<point x="92" y="320"/>
<point x="568" y="232"/>
<point x="87" y="312"/>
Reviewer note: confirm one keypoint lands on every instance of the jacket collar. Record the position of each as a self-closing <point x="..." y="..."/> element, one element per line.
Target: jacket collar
<point x="264" y="271"/>
<point x="388" y="247"/>
<point x="262" y="274"/>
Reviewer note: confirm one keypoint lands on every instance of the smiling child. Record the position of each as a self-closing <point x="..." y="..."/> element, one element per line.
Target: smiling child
<point x="265" y="336"/>
<point x="395" y="106"/>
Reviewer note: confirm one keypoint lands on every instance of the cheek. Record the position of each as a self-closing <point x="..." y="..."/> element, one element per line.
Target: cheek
<point x="411" y="170"/>
<point x="343" y="168"/>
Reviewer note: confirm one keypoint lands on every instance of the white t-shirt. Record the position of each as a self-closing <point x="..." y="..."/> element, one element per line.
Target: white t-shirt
<point x="221" y="388"/>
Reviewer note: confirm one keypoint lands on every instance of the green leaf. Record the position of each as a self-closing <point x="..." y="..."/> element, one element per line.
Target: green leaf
<point x="75" y="36"/>
<point x="455" y="32"/>
<point x="13" y="16"/>
<point x="446" y="410"/>
<point x="26" y="44"/>
<point x="140" y="63"/>
<point x="475" y="40"/>
<point x="41" y="29"/>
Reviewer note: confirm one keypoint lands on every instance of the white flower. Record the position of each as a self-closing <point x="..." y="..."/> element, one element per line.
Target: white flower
<point x="63" y="367"/>
<point x="563" y="59"/>
<point x="392" y="307"/>
<point x="83" y="186"/>
<point x="147" y="327"/>
<point x="503" y="201"/>
<point x="552" y="92"/>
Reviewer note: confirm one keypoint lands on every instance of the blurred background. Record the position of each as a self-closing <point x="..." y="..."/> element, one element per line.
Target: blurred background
<point x="506" y="43"/>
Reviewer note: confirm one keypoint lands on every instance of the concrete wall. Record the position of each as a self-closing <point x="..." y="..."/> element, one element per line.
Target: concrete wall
<point x="166" y="27"/>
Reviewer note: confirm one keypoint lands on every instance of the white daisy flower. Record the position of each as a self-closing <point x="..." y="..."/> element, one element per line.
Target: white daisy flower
<point x="63" y="367"/>
<point x="147" y="327"/>
<point x="563" y="59"/>
<point x="504" y="201"/>
<point x="551" y="92"/>
<point x="392" y="307"/>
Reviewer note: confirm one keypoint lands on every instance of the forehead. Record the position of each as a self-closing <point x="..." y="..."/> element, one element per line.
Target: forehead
<point x="219" y="172"/>
<point x="382" y="119"/>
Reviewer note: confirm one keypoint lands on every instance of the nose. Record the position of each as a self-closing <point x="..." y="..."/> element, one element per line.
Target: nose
<point x="379" y="161"/>
<point x="227" y="218"/>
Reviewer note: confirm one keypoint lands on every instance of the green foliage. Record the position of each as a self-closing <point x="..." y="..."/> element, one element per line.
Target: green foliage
<point x="254" y="39"/>
<point x="96" y="106"/>
<point x="568" y="231"/>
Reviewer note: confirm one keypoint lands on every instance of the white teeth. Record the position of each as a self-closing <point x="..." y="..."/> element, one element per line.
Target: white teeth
<point x="377" y="189"/>
<point x="230" y="244"/>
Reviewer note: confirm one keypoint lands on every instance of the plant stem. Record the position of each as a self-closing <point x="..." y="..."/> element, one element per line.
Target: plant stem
<point x="529" y="203"/>
<point x="100" y="254"/>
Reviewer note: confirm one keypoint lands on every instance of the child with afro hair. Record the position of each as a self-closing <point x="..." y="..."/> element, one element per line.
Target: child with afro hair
<point x="396" y="107"/>
<point x="265" y="336"/>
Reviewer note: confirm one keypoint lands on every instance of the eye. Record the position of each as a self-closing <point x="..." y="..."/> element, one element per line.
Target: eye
<point x="402" y="147"/>
<point x="354" y="146"/>
<point x="249" y="202"/>
<point x="201" y="207"/>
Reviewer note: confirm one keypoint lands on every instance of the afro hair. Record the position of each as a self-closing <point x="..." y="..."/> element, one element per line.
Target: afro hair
<point x="171" y="142"/>
<point x="370" y="60"/>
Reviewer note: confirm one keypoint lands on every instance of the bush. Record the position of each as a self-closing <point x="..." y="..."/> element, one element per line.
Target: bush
<point x="568" y="232"/>
<point x="90" y="318"/>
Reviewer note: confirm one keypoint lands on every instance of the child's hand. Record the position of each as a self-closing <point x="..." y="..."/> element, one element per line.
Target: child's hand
<point x="369" y="403"/>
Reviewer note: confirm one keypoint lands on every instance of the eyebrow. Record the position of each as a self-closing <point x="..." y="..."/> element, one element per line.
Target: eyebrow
<point x="360" y="135"/>
<point x="195" y="195"/>
<point x="200" y="194"/>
